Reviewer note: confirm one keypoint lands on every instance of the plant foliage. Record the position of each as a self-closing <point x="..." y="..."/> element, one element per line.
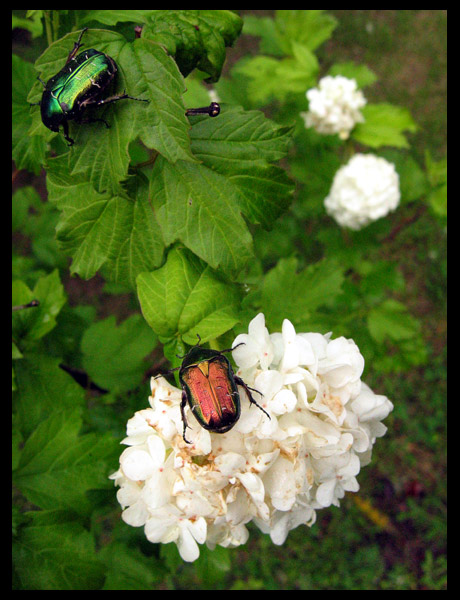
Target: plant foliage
<point x="200" y="223"/>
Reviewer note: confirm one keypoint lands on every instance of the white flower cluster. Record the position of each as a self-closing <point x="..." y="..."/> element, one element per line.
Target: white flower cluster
<point x="334" y="106"/>
<point x="275" y="472"/>
<point x="363" y="190"/>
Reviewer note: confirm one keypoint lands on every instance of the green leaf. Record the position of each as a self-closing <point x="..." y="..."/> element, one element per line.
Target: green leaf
<point x="310" y="28"/>
<point x="32" y="22"/>
<point x="238" y="139"/>
<point x="241" y="145"/>
<point x="287" y="294"/>
<point x="436" y="170"/>
<point x="271" y="78"/>
<point x="265" y="28"/>
<point x="185" y="297"/>
<point x="112" y="17"/>
<point x="195" y="38"/>
<point x="109" y="220"/>
<point x="57" y="466"/>
<point x="437" y="175"/>
<point x="197" y="94"/>
<point x="378" y="277"/>
<point x="37" y="220"/>
<point x="113" y="355"/>
<point x="129" y="569"/>
<point x="412" y="179"/>
<point x="437" y="199"/>
<point x="265" y="193"/>
<point x="55" y="552"/>
<point x="197" y="204"/>
<point x="15" y="352"/>
<point x="384" y="126"/>
<point x="213" y="564"/>
<point x="360" y="73"/>
<point x="199" y="207"/>
<point x="23" y="200"/>
<point x="261" y="72"/>
<point x="144" y="71"/>
<point x="104" y="229"/>
<point x="391" y="320"/>
<point x="413" y="182"/>
<point x="33" y="323"/>
<point x="42" y="388"/>
<point x="164" y="127"/>
<point x="28" y="151"/>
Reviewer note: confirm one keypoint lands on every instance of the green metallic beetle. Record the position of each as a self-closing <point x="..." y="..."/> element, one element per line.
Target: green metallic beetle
<point x="82" y="83"/>
<point x="209" y="386"/>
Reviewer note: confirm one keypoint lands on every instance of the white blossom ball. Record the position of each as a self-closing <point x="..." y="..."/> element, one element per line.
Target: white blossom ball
<point x="363" y="190"/>
<point x="334" y="106"/>
<point x="276" y="467"/>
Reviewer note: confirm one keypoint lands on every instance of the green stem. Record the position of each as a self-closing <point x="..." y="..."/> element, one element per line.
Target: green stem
<point x="48" y="29"/>
<point x="55" y="25"/>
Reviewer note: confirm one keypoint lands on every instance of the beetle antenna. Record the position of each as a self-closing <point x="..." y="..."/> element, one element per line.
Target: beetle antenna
<point x="231" y="349"/>
<point x="167" y="372"/>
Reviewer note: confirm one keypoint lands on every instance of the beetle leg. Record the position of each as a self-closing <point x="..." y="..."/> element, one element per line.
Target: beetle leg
<point x="254" y="390"/>
<point x="94" y="120"/>
<point x="212" y="110"/>
<point x="102" y="102"/>
<point x="116" y="98"/>
<point x="76" y="46"/>
<point x="66" y="133"/>
<point x="182" y="412"/>
<point x="247" y="389"/>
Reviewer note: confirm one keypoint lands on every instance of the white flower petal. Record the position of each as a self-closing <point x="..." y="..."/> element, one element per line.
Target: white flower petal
<point x="129" y="493"/>
<point x="280" y="484"/>
<point x="325" y="492"/>
<point x="254" y="486"/>
<point x="156" y="491"/>
<point x="256" y="348"/>
<point x="275" y="471"/>
<point x="198" y="528"/>
<point x="229" y="463"/>
<point x="135" y="515"/>
<point x="187" y="546"/>
<point x="137" y="464"/>
<point x="156" y="448"/>
<point x="246" y="354"/>
<point x="364" y="190"/>
<point x="291" y="354"/>
<point x="284" y="401"/>
<point x="334" y="106"/>
<point x="162" y="527"/>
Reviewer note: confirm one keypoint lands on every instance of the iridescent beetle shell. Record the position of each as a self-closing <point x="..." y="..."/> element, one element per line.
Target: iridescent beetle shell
<point x="210" y="388"/>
